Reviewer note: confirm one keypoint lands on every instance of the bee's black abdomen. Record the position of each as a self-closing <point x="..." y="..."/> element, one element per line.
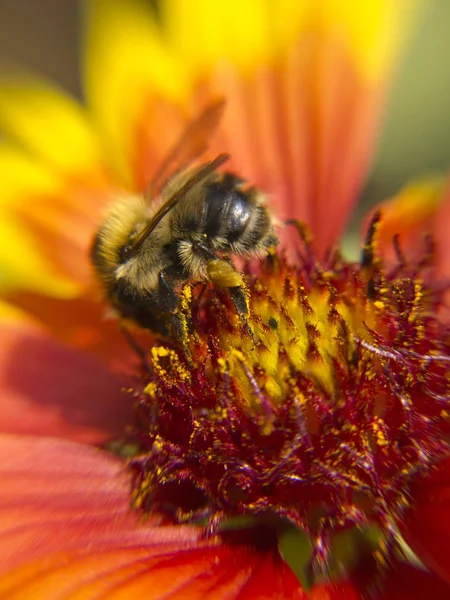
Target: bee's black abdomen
<point x="238" y="216"/>
<point x="228" y="209"/>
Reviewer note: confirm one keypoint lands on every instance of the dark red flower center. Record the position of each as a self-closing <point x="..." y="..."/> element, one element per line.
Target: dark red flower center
<point x="319" y="411"/>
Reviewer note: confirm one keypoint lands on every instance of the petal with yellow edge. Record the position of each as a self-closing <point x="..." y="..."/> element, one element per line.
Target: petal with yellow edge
<point x="128" y="72"/>
<point x="48" y="221"/>
<point x="304" y="83"/>
<point x="409" y="217"/>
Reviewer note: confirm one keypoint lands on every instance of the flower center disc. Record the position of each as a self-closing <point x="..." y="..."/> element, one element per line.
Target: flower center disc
<point x="319" y="407"/>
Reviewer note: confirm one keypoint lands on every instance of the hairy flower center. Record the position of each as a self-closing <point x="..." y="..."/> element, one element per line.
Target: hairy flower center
<point x="320" y="408"/>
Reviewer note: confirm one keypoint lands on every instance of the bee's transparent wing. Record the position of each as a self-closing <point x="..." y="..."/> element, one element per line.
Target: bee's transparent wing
<point x="202" y="173"/>
<point x="192" y="143"/>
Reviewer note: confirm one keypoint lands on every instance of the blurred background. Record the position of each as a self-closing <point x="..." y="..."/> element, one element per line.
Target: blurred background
<point x="43" y="35"/>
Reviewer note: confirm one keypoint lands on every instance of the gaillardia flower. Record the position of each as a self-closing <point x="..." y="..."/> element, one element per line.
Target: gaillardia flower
<point x="296" y="448"/>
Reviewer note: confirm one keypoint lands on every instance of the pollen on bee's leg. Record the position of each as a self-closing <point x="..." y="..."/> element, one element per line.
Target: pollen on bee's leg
<point x="240" y="298"/>
<point x="322" y="418"/>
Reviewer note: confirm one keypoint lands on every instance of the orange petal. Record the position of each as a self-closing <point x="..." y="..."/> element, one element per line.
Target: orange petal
<point x="48" y="388"/>
<point x="427" y="530"/>
<point x="67" y="532"/>
<point x="410" y="215"/>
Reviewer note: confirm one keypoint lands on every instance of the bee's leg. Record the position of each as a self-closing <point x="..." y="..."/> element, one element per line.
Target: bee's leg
<point x="167" y="299"/>
<point x="240" y="300"/>
<point x="222" y="273"/>
<point x="170" y="302"/>
<point x="180" y="331"/>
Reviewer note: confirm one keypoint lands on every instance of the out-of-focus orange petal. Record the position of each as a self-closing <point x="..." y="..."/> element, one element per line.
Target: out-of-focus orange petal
<point x="427" y="530"/>
<point x="66" y="531"/>
<point x="48" y="388"/>
<point x="62" y="227"/>
<point x="56" y="493"/>
<point x="410" y="215"/>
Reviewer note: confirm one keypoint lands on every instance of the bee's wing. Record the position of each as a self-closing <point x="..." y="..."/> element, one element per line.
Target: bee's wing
<point x="192" y="143"/>
<point x="202" y="173"/>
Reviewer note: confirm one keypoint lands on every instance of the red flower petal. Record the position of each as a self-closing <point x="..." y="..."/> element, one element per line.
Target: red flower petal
<point x="441" y="228"/>
<point x="428" y="528"/>
<point x="408" y="583"/>
<point x="81" y="322"/>
<point x="48" y="388"/>
<point x="66" y="532"/>
<point x="342" y="590"/>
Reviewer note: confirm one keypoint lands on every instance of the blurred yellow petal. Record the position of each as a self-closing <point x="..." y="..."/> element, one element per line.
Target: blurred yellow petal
<point x="203" y="32"/>
<point x="21" y="175"/>
<point x="47" y="123"/>
<point x="373" y="31"/>
<point x="11" y="313"/>
<point x="254" y="32"/>
<point x="24" y="266"/>
<point x="125" y="62"/>
<point x="47" y="223"/>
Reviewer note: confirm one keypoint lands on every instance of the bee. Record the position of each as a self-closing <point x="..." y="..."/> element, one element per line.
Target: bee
<point x="183" y="230"/>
